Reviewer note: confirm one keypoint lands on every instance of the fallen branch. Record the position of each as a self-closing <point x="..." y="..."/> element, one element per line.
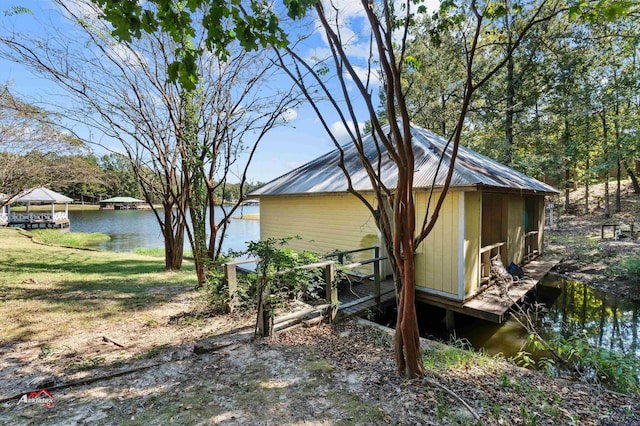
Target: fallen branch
<point x="452" y="393"/>
<point x="88" y="380"/>
<point x="109" y="339"/>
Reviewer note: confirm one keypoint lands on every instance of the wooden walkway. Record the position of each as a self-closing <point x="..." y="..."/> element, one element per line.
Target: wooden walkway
<point x="359" y="298"/>
<point x="491" y="304"/>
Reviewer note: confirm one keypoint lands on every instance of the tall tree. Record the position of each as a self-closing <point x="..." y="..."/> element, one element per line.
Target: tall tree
<point x="181" y="142"/>
<point x="387" y="25"/>
<point x="34" y="151"/>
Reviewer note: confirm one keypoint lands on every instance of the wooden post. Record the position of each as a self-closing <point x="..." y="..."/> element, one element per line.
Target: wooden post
<point x="230" y="277"/>
<point x="376" y="273"/>
<point x="486" y="264"/>
<point x="450" y="319"/>
<point x="331" y="290"/>
<point x="265" y="314"/>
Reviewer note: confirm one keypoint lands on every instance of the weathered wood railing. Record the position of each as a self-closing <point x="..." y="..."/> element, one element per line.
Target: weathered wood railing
<point x="531" y="248"/>
<point x="230" y="270"/>
<point x="486" y="253"/>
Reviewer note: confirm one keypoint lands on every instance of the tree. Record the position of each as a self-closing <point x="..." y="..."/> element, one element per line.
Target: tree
<point x="120" y="177"/>
<point x="387" y="24"/>
<point x="33" y="150"/>
<point x="182" y="144"/>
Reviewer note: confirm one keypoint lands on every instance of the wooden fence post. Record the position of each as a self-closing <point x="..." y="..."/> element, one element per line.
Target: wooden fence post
<point x="230" y="277"/>
<point x="331" y="289"/>
<point x="376" y="273"/>
<point x="265" y="313"/>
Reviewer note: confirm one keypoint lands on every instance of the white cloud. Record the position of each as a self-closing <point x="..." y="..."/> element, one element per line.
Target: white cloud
<point x="363" y="74"/>
<point x="289" y="115"/>
<point x="339" y="129"/>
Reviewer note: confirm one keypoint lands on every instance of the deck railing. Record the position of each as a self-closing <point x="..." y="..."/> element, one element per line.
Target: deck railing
<point x="37" y="217"/>
<point x="486" y="253"/>
<point x="531" y="247"/>
<point x="231" y="270"/>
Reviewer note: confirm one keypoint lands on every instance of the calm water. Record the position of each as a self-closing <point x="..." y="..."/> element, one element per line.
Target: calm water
<point x="609" y="321"/>
<point x="132" y="229"/>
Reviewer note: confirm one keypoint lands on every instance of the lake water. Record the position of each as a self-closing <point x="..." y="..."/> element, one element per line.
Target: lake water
<point x="133" y="229"/>
<point x="571" y="308"/>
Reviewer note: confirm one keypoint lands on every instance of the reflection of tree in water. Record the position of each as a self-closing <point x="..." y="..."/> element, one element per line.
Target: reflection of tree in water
<point x="609" y="321"/>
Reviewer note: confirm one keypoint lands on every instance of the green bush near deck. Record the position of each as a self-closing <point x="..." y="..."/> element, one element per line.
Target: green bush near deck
<point x="69" y="239"/>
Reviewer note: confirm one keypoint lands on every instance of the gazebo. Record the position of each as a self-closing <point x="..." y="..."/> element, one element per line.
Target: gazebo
<point x="120" y="203"/>
<point x="39" y="195"/>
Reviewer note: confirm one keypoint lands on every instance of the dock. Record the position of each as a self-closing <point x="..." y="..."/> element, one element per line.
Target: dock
<point x="357" y="299"/>
<point x="37" y="221"/>
<point x="491" y="304"/>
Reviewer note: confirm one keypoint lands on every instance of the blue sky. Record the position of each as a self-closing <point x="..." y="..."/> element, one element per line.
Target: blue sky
<point x="284" y="148"/>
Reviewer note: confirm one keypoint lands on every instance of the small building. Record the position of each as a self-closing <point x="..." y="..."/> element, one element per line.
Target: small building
<point x="490" y="209"/>
<point x="120" y="203"/>
<point x="30" y="219"/>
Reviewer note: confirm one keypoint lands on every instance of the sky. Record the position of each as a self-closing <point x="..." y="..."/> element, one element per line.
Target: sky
<point x="299" y="140"/>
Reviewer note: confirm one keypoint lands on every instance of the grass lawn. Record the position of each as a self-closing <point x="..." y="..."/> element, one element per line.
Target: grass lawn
<point x="50" y="294"/>
<point x="69" y="239"/>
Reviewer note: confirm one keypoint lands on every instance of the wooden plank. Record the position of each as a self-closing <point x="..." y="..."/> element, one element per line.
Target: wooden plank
<point x="490" y="304"/>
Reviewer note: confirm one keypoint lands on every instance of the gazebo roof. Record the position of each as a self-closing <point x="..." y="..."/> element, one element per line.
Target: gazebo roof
<point x="122" y="200"/>
<point x="40" y="195"/>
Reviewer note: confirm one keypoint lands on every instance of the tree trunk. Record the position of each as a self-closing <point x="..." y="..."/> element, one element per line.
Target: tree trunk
<point x="634" y="178"/>
<point x="173" y="233"/>
<point x="618" y="186"/>
<point x="567" y="181"/>
<point x="508" y="117"/>
<point x="605" y="149"/>
<point x="607" y="211"/>
<point x="586" y="186"/>
<point x="407" y="336"/>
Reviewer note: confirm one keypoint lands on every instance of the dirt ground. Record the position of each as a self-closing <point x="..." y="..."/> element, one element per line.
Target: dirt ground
<point x="176" y="369"/>
<point x="323" y="375"/>
<point x="587" y="257"/>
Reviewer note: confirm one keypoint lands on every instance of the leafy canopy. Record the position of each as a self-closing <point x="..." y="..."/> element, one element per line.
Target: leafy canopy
<point x="252" y="23"/>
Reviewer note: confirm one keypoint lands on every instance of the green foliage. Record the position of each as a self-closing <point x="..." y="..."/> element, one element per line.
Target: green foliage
<point x="456" y="354"/>
<point x="18" y="10"/>
<point x="278" y="269"/>
<point x="631" y="268"/>
<point x="591" y="363"/>
<point x="252" y="24"/>
<point x="69" y="239"/>
<point x="600" y="365"/>
<point x="215" y="288"/>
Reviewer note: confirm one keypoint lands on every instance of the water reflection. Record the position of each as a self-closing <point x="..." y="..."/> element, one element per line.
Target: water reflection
<point x="132" y="229"/>
<point x="607" y="320"/>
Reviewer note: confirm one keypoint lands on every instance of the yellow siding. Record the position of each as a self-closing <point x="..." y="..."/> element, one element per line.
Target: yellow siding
<point x="515" y="233"/>
<point x="324" y="223"/>
<point x="472" y="232"/>
<point x="437" y="259"/>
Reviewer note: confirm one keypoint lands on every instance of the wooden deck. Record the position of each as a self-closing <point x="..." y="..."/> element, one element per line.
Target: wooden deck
<point x="359" y="298"/>
<point x="490" y="304"/>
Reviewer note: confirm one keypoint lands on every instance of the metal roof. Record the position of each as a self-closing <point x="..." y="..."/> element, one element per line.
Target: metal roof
<point x="324" y="175"/>
<point x="40" y="195"/>
<point x="122" y="200"/>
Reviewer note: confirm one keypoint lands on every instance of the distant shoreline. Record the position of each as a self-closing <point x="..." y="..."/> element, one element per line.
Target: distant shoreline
<point x="247" y="216"/>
